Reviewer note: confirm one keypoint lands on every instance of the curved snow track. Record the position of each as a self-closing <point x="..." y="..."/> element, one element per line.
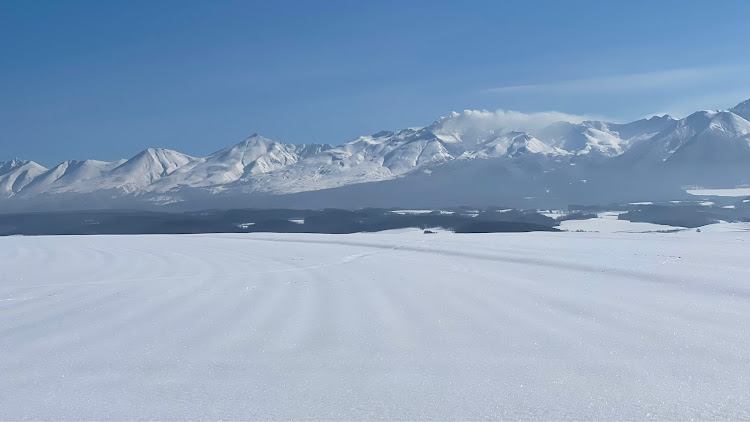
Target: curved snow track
<point x="376" y="326"/>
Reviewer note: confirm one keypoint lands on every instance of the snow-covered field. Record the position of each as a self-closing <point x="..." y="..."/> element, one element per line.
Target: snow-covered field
<point x="720" y="192"/>
<point x="377" y="326"/>
<point x="608" y="222"/>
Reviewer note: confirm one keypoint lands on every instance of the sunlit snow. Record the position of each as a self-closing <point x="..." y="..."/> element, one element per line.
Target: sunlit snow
<point x="397" y="325"/>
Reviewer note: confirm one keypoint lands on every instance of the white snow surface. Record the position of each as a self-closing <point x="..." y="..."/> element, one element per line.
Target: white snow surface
<point x="608" y="222"/>
<point x="731" y="192"/>
<point x="533" y="326"/>
<point x="607" y="225"/>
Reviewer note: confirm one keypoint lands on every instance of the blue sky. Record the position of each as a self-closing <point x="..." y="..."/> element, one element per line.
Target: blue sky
<point x="106" y="79"/>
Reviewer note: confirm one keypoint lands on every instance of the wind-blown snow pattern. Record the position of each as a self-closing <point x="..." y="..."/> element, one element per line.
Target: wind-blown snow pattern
<point x="713" y="145"/>
<point x="404" y="326"/>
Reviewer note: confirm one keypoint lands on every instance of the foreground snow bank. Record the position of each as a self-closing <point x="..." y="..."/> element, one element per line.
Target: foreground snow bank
<point x="376" y="326"/>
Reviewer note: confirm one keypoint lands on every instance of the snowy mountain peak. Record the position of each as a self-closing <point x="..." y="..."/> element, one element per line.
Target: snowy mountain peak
<point x="721" y="120"/>
<point x="603" y="139"/>
<point x="513" y="144"/>
<point x="383" y="134"/>
<point x="253" y="141"/>
<point x="704" y="135"/>
<point x="145" y="168"/>
<point x="162" y="156"/>
<point x="7" y="166"/>
<point x="11" y="164"/>
<point x="662" y="118"/>
<point x="15" y="174"/>
<point x="253" y="156"/>
<point x="742" y="109"/>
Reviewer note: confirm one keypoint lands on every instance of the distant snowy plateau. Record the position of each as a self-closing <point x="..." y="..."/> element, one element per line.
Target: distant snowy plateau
<point x="465" y="158"/>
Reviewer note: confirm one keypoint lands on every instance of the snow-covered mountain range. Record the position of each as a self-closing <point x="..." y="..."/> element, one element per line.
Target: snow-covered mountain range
<point x="589" y="161"/>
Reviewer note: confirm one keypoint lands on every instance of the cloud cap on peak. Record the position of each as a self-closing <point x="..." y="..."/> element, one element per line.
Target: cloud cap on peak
<point x="472" y="126"/>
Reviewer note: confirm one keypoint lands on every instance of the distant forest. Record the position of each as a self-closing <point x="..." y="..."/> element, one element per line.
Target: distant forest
<point x="459" y="220"/>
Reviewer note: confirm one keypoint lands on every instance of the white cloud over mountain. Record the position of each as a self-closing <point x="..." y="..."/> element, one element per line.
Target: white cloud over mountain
<point x="475" y="123"/>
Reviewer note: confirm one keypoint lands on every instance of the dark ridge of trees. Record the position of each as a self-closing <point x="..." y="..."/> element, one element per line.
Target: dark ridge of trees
<point x="265" y="220"/>
<point x="501" y="227"/>
<point x="460" y="220"/>
<point x="578" y="215"/>
<point x="684" y="216"/>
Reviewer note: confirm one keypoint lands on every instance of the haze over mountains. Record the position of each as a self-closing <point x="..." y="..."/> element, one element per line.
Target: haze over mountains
<point x="462" y="159"/>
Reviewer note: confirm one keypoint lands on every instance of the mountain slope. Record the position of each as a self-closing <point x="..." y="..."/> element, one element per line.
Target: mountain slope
<point x="511" y="145"/>
<point x="71" y="176"/>
<point x="145" y="168"/>
<point x="705" y="135"/>
<point x="16" y="174"/>
<point x="377" y="157"/>
<point x="602" y="138"/>
<point x="742" y="109"/>
<point x="255" y="155"/>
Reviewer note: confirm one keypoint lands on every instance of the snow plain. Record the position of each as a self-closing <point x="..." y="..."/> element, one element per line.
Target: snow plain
<point x="732" y="192"/>
<point x="399" y="325"/>
<point x="608" y="222"/>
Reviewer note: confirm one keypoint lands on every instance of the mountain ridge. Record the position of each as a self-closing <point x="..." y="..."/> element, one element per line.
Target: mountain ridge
<point x="261" y="166"/>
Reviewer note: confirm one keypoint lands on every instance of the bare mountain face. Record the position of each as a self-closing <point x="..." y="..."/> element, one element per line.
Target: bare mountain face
<point x="459" y="159"/>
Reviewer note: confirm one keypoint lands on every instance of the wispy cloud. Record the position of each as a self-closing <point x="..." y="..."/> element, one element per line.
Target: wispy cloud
<point x="623" y="83"/>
